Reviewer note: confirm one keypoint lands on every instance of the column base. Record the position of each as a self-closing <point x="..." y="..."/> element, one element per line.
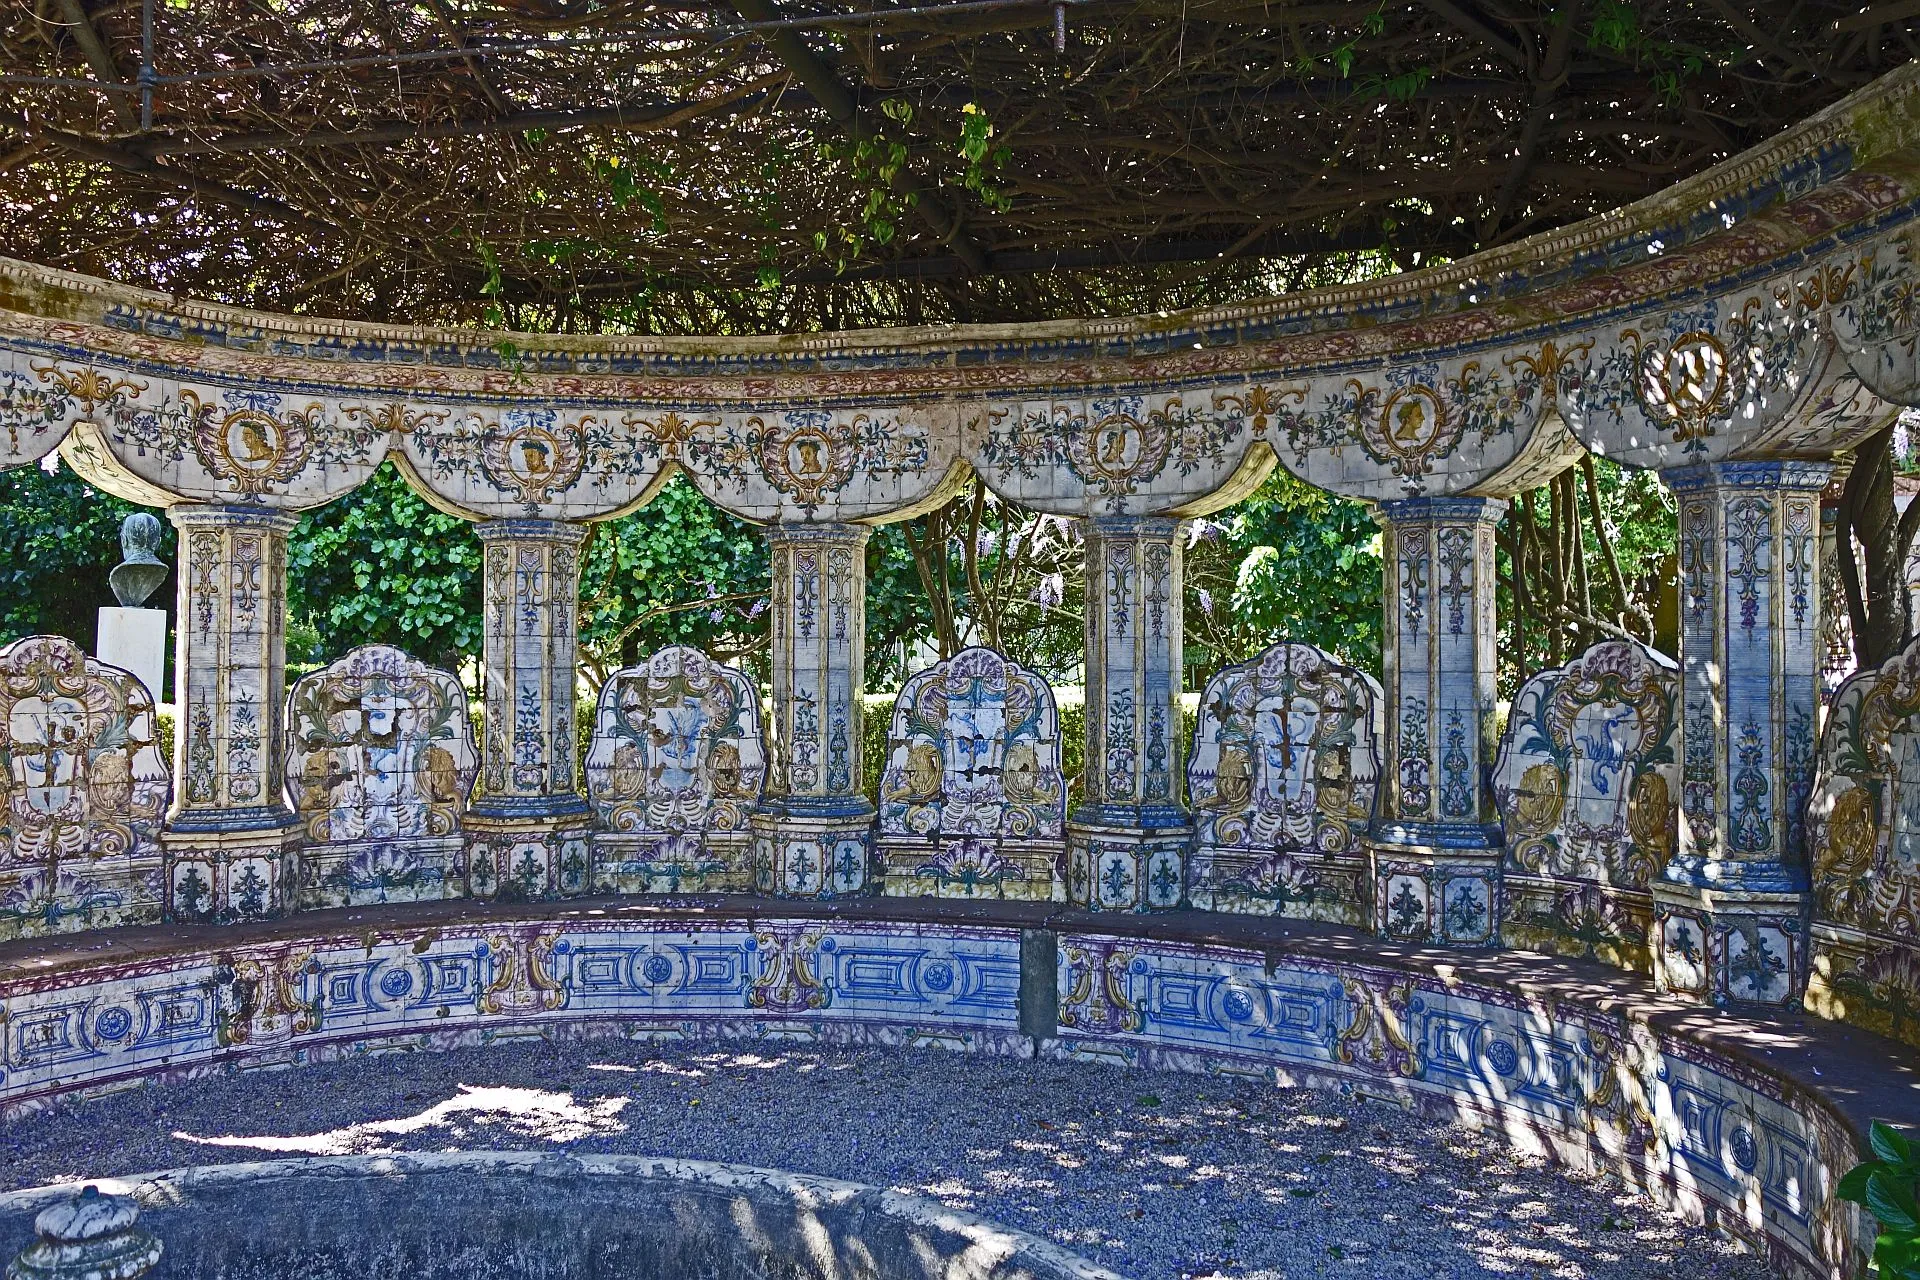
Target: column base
<point x="1730" y="946"/>
<point x="226" y="876"/>
<point x="824" y="850"/>
<point x="365" y="873"/>
<point x="528" y="852"/>
<point x="661" y="862"/>
<point x="1437" y="882"/>
<point x="1126" y="858"/>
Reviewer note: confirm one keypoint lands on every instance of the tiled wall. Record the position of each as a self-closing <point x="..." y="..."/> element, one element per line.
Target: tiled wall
<point x="1701" y="1130"/>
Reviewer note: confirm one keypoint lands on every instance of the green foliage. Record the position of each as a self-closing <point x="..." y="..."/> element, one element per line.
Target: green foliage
<point x="631" y="181"/>
<point x="380" y="566"/>
<point x="874" y="161"/>
<point x="897" y="610"/>
<point x="1889" y="1187"/>
<point x="1290" y="563"/>
<point x="679" y="571"/>
<point x="1641" y="520"/>
<point x="1616" y="27"/>
<point x="62" y="538"/>
<point x="982" y="157"/>
<point x="1341" y="57"/>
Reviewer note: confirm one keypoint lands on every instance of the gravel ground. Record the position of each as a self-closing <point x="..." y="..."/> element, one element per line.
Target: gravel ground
<point x="1154" y="1174"/>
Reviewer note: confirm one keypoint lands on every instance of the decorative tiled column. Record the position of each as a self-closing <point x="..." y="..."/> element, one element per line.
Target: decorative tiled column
<point x="1731" y="906"/>
<point x="1127" y="842"/>
<point x="1435" y="844"/>
<point x="527" y="827"/>
<point x="230" y="835"/>
<point x="813" y="831"/>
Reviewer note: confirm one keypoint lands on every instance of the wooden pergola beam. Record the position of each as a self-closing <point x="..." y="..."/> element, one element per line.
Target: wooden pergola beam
<point x="99" y="59"/>
<point x="638" y="116"/>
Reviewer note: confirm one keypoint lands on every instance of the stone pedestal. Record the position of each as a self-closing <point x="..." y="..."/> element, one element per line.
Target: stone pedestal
<point x="813" y="828"/>
<point x="1435" y="846"/>
<point x="1127" y="842"/>
<point x="528" y="825"/>
<point x="1731" y="907"/>
<point x="136" y="640"/>
<point x="230" y="835"/>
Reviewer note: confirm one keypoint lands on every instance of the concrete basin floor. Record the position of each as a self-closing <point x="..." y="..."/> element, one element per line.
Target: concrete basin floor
<point x="1159" y="1176"/>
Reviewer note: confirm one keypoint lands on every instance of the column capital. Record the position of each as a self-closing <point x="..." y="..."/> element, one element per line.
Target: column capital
<point x="1441" y="510"/>
<point x="518" y="530"/>
<point x="826" y="531"/>
<point x="1163" y="527"/>
<point x="192" y="515"/>
<point x="1769" y="473"/>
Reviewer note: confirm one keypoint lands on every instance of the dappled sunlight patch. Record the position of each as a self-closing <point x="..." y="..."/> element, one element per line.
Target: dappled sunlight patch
<point x="1239" y="1181"/>
<point x="659" y="1068"/>
<point x="533" y="1114"/>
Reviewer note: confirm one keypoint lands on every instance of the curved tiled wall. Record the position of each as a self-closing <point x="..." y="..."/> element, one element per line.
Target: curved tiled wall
<point x="1718" y="1117"/>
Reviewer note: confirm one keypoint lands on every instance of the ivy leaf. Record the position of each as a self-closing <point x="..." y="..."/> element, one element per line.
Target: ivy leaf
<point x="1891" y="1203"/>
<point x="1890" y="1144"/>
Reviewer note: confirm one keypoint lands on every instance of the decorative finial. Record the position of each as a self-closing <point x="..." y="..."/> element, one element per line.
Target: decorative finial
<point x="140" y="571"/>
<point x="94" y="1236"/>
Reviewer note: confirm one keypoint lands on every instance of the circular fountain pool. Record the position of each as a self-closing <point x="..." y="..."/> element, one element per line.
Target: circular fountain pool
<point x="497" y="1215"/>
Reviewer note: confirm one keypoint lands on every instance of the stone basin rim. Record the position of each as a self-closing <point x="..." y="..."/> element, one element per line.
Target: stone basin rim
<point x="986" y="1238"/>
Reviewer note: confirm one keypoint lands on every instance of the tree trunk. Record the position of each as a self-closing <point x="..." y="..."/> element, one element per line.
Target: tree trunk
<point x="1877" y="598"/>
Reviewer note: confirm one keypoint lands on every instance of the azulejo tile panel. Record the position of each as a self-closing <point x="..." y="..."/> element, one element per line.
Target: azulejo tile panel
<point x="291" y="1001"/>
<point x="972" y="801"/>
<point x="380" y="758"/>
<point x="82" y="792"/>
<point x="675" y="769"/>
<point x="1286" y="763"/>
<point x="1865" y="838"/>
<point x="1588" y="786"/>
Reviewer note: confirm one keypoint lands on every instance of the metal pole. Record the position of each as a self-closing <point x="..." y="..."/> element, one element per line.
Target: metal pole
<point x="146" y="65"/>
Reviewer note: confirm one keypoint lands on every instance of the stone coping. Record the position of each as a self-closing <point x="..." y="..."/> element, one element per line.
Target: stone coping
<point x="1862" y="1076"/>
<point x="660" y="1207"/>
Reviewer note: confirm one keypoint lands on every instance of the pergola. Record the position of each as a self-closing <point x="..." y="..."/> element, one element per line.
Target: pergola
<point x="755" y="167"/>
<point x="1318" y="881"/>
